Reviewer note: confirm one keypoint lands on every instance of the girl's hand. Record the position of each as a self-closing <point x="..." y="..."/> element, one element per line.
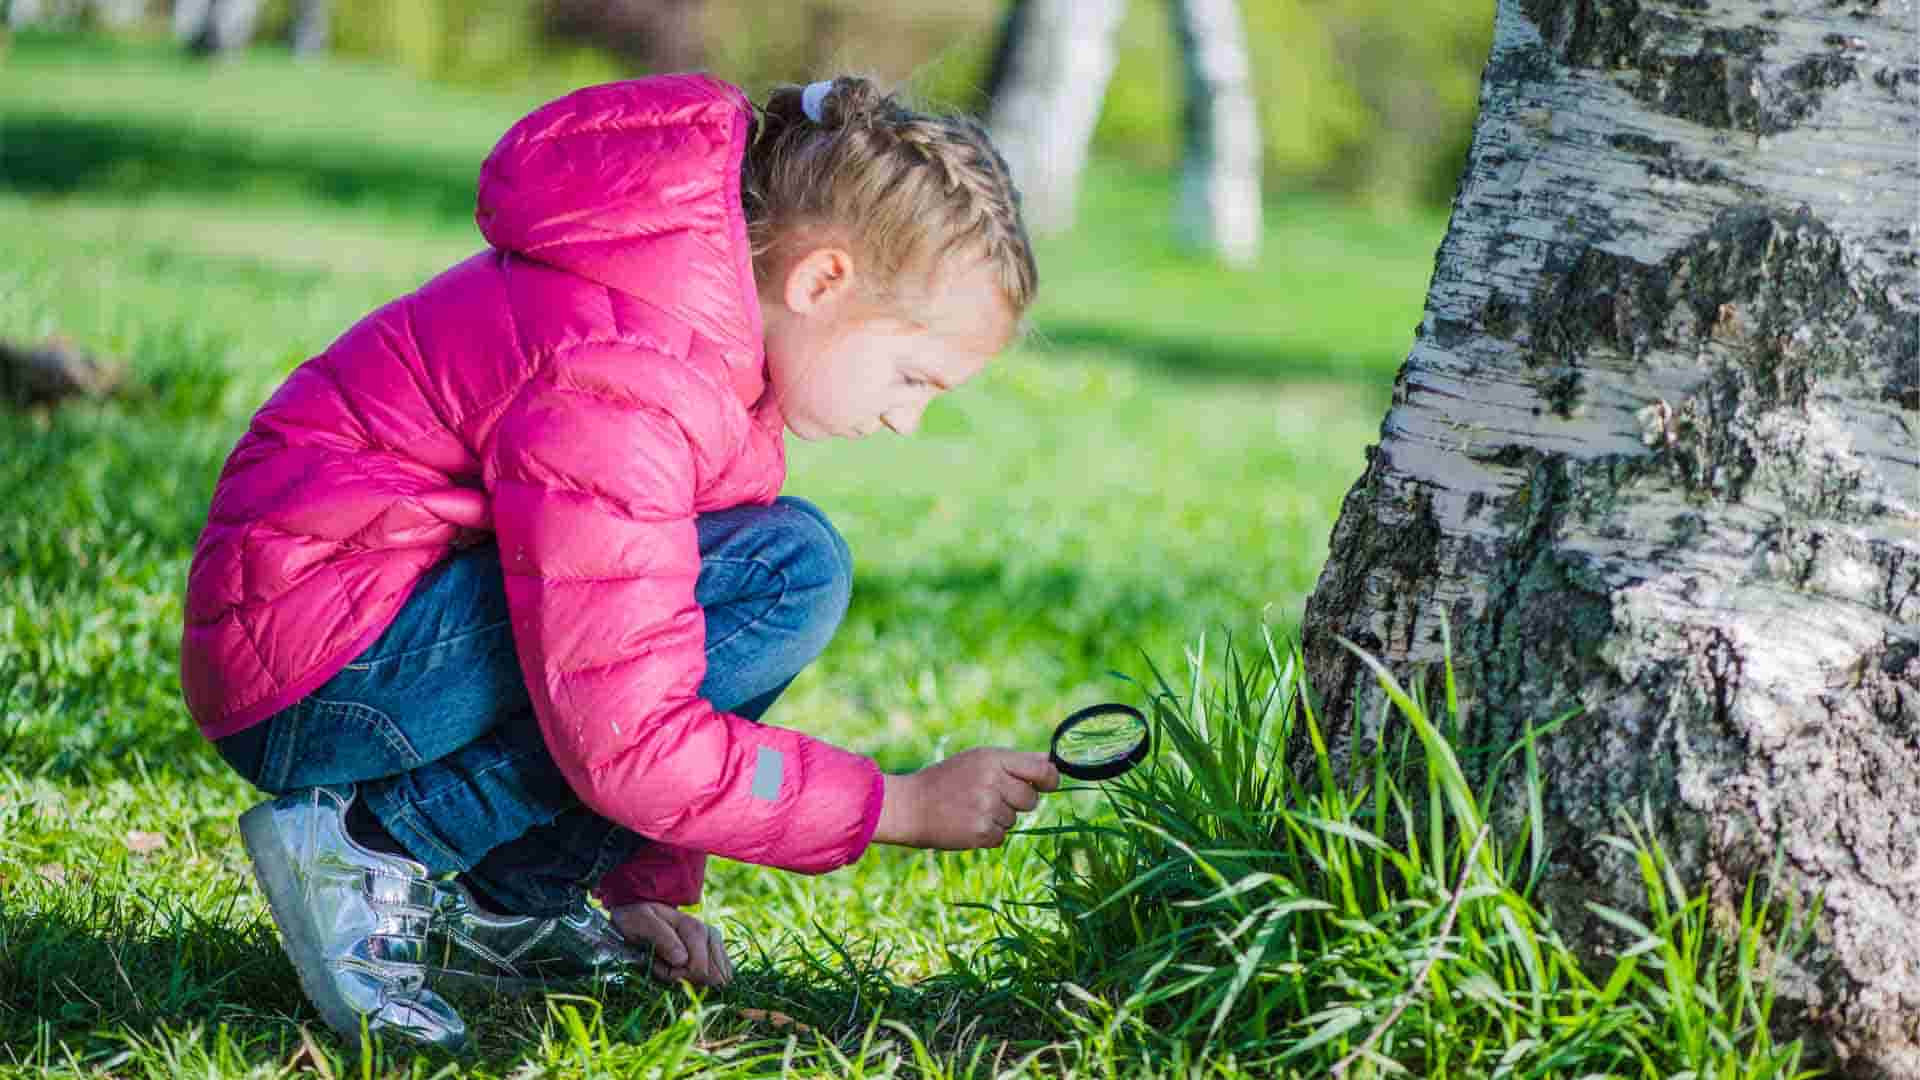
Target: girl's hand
<point x="969" y="800"/>
<point x="683" y="946"/>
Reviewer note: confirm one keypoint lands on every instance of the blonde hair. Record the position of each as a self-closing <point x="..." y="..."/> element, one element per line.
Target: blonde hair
<point x="906" y="189"/>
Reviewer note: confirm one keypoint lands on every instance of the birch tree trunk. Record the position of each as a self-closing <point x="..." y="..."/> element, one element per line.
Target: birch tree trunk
<point x="119" y="14"/>
<point x="312" y="27"/>
<point x="212" y="27"/>
<point x="189" y="17"/>
<point x="1653" y="454"/>
<point x="1219" y="201"/>
<point x="113" y="14"/>
<point x="1055" y="59"/>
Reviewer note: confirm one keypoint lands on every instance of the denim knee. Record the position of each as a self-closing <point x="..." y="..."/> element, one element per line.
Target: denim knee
<point x="828" y="588"/>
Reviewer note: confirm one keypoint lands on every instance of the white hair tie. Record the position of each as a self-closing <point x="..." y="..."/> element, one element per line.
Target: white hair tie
<point x="813" y="98"/>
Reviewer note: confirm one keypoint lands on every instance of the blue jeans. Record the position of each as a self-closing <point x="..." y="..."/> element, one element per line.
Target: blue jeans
<point x="434" y="725"/>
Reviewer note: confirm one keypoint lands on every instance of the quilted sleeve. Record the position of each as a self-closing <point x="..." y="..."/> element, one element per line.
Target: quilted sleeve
<point x="593" y="495"/>
<point x="671" y="875"/>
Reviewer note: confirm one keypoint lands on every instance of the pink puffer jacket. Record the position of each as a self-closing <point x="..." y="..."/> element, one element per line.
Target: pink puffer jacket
<point x="583" y="390"/>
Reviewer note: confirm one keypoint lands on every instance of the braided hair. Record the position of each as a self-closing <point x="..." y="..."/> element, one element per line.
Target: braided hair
<point x="904" y="188"/>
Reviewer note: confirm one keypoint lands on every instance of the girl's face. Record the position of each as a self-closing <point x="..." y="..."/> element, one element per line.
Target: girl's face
<point x="842" y="367"/>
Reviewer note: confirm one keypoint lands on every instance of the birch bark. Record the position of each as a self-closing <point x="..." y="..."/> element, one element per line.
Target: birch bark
<point x="1219" y="202"/>
<point x="212" y="27"/>
<point x="1653" y="454"/>
<point x="312" y="27"/>
<point x="1056" y="58"/>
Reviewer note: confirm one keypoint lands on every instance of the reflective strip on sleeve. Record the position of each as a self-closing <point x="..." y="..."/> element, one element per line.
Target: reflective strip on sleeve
<point x="767" y="771"/>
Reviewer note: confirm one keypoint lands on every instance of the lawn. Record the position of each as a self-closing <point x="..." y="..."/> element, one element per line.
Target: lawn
<point x="1163" y="458"/>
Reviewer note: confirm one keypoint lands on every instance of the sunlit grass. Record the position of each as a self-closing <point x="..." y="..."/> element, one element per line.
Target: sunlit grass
<point x="1307" y="924"/>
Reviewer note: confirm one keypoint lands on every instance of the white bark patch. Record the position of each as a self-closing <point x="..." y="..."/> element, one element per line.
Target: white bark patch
<point x="1219" y="205"/>
<point x="1043" y="118"/>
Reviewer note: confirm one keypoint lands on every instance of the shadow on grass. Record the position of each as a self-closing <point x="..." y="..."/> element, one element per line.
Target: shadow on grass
<point x="58" y="153"/>
<point x="1226" y="357"/>
<point x="83" y="964"/>
<point x="90" y="972"/>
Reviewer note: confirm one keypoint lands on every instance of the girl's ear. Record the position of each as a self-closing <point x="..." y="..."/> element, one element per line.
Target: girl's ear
<point x="820" y="280"/>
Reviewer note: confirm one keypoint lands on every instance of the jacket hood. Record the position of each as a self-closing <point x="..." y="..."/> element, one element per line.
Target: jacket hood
<point x="636" y="185"/>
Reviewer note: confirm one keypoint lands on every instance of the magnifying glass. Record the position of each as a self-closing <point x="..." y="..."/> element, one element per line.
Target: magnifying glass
<point x="1100" y="742"/>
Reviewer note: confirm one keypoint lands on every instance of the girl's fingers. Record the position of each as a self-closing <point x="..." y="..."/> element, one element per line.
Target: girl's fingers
<point x="702" y="954"/>
<point x="642" y="923"/>
<point x="717" y="955"/>
<point x="693" y="938"/>
<point x="707" y="963"/>
<point x="658" y="927"/>
<point x="668" y="945"/>
<point x="1033" y="767"/>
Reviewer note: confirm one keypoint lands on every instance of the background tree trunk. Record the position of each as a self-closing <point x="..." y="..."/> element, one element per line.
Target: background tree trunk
<point x="649" y="35"/>
<point x="1054" y="60"/>
<point x="211" y="27"/>
<point x="113" y="14"/>
<point x="189" y="16"/>
<point x="311" y="26"/>
<point x="1653" y="454"/>
<point x="1219" y="207"/>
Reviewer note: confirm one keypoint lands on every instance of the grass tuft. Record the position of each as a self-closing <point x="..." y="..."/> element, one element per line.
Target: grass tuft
<point x="1308" y="926"/>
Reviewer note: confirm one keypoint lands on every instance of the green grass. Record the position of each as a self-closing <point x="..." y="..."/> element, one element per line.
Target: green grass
<point x="1165" y="457"/>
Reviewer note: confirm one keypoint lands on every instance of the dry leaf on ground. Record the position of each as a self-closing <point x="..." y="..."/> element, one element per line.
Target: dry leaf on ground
<point x="774" y="1017"/>
<point x="144" y="843"/>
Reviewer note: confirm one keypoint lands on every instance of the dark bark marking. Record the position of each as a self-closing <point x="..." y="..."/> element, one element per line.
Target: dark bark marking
<point x="1408" y="547"/>
<point x="1499" y="316"/>
<point x="1725" y="81"/>
<point x="1562" y="391"/>
<point x="1724" y="668"/>
<point x="1598" y="33"/>
<point x="1902" y="589"/>
<point x="1777" y="289"/>
<point x="1636" y="143"/>
<point x="1664" y="163"/>
<point x="1602" y="299"/>
<point x="1724" y="85"/>
<point x="1902" y="84"/>
<point x="1536" y="645"/>
<point x="1897" y="656"/>
<point x="1905" y="246"/>
<point x="1446" y="333"/>
<point x="1520" y="64"/>
<point x="1376" y="529"/>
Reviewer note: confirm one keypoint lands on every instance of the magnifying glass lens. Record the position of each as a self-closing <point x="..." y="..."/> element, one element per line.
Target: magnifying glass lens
<point x="1100" y="742"/>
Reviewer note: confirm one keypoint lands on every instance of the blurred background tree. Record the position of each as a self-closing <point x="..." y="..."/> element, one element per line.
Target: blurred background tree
<point x="1051" y="65"/>
<point x="1370" y="99"/>
<point x="1048" y="80"/>
<point x="215" y="26"/>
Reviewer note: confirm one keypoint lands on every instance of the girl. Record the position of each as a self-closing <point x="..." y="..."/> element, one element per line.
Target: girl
<point x="494" y="592"/>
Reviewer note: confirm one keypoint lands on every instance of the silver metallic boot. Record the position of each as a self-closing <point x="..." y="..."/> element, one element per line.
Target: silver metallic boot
<point x="471" y="948"/>
<point x="353" y="921"/>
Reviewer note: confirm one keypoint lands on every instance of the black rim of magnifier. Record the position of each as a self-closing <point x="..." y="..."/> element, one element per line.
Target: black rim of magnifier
<point x="1112" y="768"/>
